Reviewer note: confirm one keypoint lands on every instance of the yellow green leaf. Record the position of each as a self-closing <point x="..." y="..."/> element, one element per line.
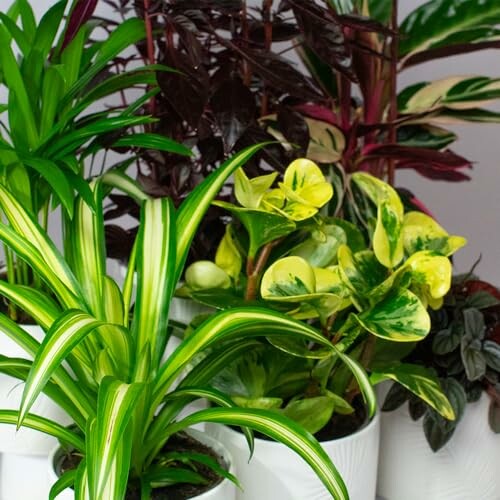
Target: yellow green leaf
<point x="204" y="274"/>
<point x="431" y="270"/>
<point x="227" y="257"/>
<point x="421" y="232"/>
<point x="249" y="192"/>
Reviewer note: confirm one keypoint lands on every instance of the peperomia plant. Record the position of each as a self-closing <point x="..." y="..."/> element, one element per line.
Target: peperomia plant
<point x="105" y="365"/>
<point x="463" y="349"/>
<point x="54" y="72"/>
<point x="364" y="295"/>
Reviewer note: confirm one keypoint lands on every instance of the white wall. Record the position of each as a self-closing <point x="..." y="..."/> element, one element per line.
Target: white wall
<point x="471" y="208"/>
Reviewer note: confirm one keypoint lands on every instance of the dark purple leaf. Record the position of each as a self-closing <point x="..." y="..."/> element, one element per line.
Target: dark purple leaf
<point x="323" y="35"/>
<point x="293" y="126"/>
<point x="119" y="242"/>
<point x="280" y="74"/>
<point x="317" y="112"/>
<point x="187" y="91"/>
<point x="233" y="107"/>
<point x="362" y="23"/>
<point x="81" y="13"/>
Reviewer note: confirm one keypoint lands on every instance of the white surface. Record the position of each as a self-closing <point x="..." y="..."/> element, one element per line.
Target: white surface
<point x="226" y="490"/>
<point x="277" y="473"/>
<point x="464" y="469"/>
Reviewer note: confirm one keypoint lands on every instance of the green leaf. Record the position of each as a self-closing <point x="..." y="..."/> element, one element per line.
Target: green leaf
<point x="124" y="183"/>
<point x="494" y="416"/>
<point x="425" y="136"/>
<point x="193" y="208"/>
<point x="282" y="430"/>
<point x="432" y="24"/>
<point x="156" y="263"/>
<point x="262" y="227"/>
<point x="153" y="141"/>
<point x="160" y="477"/>
<point x="491" y="353"/>
<point x="421" y="382"/>
<point x="115" y="406"/>
<point x="311" y="413"/>
<point x="400" y="317"/>
<point x="67" y="480"/>
<point x="64" y="335"/>
<point x="249" y="192"/>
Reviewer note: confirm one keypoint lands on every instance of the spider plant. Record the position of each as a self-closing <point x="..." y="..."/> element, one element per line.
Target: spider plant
<point x="105" y="366"/>
<point x="48" y="125"/>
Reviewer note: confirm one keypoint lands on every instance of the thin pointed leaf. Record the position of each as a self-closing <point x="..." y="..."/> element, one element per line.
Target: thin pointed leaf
<point x="281" y="429"/>
<point x="153" y="141"/>
<point x="67" y="480"/>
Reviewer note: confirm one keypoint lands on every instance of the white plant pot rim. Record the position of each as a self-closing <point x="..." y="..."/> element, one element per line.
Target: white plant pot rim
<point x="219" y="449"/>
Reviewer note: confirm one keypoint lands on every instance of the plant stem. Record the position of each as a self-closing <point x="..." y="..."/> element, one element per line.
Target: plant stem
<point x="255" y="268"/>
<point x="247" y="76"/>
<point x="268" y="39"/>
<point x="393" y="82"/>
<point x="150" y="47"/>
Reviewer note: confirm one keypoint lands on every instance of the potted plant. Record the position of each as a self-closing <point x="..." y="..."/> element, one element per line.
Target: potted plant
<point x="365" y="296"/>
<point x="123" y="397"/>
<point x="463" y="350"/>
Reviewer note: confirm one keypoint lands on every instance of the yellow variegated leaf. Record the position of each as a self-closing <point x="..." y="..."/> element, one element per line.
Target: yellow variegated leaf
<point x="432" y="275"/>
<point x="387" y="238"/>
<point x="273" y="200"/>
<point x="421" y="232"/>
<point x="249" y="192"/>
<point x="298" y="211"/>
<point x="305" y="183"/>
<point x="204" y="274"/>
<point x="227" y="257"/>
<point x="290" y="276"/>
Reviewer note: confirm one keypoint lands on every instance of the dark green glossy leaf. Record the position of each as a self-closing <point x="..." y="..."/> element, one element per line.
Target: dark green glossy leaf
<point x="311" y="413"/>
<point x="262" y="227"/>
<point x="491" y="353"/>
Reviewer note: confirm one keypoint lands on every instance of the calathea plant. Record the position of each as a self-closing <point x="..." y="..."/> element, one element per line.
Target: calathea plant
<point x="365" y="296"/>
<point x="463" y="349"/>
<point x="49" y="128"/>
<point x="105" y="365"/>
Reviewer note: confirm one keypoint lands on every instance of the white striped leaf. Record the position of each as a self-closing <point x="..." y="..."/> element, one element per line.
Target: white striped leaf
<point x="237" y="323"/>
<point x="119" y="180"/>
<point x="116" y="401"/>
<point x="281" y="429"/>
<point x="30" y="230"/>
<point x="65" y="334"/>
<point x="156" y="254"/>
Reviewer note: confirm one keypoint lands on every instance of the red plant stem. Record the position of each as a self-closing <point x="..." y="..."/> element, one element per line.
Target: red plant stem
<point x="268" y="40"/>
<point x="150" y="47"/>
<point x="254" y="269"/>
<point x="393" y="104"/>
<point x="345" y="103"/>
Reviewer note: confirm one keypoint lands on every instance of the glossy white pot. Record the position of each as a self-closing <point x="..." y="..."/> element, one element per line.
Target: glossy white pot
<point x="466" y="468"/>
<point x="25" y="441"/>
<point x="225" y="490"/>
<point x="277" y="473"/>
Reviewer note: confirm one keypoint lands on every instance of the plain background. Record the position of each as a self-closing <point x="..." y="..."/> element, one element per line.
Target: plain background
<point x="471" y="208"/>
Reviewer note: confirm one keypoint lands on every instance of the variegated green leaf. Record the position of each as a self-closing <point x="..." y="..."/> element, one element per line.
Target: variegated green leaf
<point x="115" y="406"/>
<point x="400" y="317"/>
<point x="249" y="192"/>
<point x="228" y="325"/>
<point x="419" y="380"/>
<point x="281" y="429"/>
<point x="156" y="264"/>
<point x="228" y="257"/>
<point x="421" y="232"/>
<point x="64" y="335"/>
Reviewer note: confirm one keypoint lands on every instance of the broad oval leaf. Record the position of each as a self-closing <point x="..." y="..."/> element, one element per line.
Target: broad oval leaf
<point x="400" y="317"/>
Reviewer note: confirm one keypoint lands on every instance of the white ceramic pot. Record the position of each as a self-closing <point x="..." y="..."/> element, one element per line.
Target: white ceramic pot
<point x="25" y="441"/>
<point x="225" y="490"/>
<point x="277" y="473"/>
<point x="466" y="468"/>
